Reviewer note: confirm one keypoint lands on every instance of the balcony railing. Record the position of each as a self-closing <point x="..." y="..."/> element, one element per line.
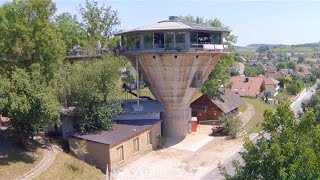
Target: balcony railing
<point x="193" y="48"/>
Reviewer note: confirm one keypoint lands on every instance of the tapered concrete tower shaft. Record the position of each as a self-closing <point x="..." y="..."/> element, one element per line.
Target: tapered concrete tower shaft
<point x="172" y="78"/>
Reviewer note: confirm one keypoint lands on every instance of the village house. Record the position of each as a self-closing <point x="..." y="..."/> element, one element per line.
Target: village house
<point x="254" y="86"/>
<point x="206" y="108"/>
<point x="247" y="86"/>
<point x="271" y="86"/>
<point x="237" y="68"/>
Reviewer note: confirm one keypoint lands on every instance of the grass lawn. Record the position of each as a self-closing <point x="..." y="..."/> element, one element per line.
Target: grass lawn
<point x="255" y="123"/>
<point x="67" y="167"/>
<point x="18" y="162"/>
<point x="243" y="107"/>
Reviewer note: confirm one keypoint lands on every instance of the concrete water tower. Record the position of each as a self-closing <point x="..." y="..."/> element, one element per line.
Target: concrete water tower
<point x="175" y="57"/>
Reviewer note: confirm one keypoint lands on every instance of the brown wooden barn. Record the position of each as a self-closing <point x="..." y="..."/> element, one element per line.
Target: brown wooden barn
<point x="208" y="109"/>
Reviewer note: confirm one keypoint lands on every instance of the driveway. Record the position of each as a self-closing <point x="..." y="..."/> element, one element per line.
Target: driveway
<point x="182" y="162"/>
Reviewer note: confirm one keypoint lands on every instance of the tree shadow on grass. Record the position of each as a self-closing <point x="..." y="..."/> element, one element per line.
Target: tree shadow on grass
<point x="16" y="154"/>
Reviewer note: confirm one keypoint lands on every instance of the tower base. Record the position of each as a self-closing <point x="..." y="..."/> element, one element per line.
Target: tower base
<point x="175" y="122"/>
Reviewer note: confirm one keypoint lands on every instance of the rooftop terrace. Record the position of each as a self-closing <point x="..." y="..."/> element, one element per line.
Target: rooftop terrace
<point x="173" y="35"/>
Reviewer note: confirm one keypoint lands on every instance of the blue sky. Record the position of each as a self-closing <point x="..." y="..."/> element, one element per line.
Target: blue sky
<point x="273" y="21"/>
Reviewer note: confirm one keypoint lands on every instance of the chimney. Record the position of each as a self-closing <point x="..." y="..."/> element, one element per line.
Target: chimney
<point x="246" y="79"/>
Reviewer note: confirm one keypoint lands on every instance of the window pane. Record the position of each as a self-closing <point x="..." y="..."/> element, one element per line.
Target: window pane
<point x="148" y="40"/>
<point x="120" y="154"/>
<point x="204" y="38"/>
<point x="132" y="42"/>
<point x="158" y="40"/>
<point x="169" y="40"/>
<point x="180" y="40"/>
<point x="193" y="38"/>
<point x="148" y="138"/>
<point x="216" y="38"/>
<point x="135" y="145"/>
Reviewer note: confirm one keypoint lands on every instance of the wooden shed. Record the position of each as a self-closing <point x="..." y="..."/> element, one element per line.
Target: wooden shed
<point x="206" y="108"/>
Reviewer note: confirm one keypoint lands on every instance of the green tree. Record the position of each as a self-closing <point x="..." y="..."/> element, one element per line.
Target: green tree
<point x="28" y="102"/>
<point x="99" y="23"/>
<point x="263" y="49"/>
<point x="300" y="59"/>
<point x="28" y="35"/>
<point x="290" y="151"/>
<point x="281" y="65"/>
<point x="71" y="29"/>
<point x="220" y="74"/>
<point x="294" y="87"/>
<point x="231" y="124"/>
<point x="253" y="71"/>
<point x="96" y="91"/>
<point x="291" y="65"/>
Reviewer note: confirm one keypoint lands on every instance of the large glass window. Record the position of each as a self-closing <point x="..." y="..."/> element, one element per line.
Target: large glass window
<point x="204" y="38"/>
<point x="148" y="40"/>
<point x="132" y="42"/>
<point x="193" y="38"/>
<point x="217" y="38"/>
<point x="169" y="43"/>
<point x="180" y="40"/>
<point x="158" y="40"/>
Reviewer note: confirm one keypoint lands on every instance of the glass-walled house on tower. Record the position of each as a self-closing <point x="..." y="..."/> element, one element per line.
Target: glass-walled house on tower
<point x="173" y="34"/>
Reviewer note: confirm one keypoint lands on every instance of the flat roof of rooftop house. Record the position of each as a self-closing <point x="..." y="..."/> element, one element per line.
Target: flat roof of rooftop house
<point x="119" y="133"/>
<point x="175" y="24"/>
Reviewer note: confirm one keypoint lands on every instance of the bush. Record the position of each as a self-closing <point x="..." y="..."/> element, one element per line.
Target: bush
<point x="162" y="140"/>
<point x="231" y="123"/>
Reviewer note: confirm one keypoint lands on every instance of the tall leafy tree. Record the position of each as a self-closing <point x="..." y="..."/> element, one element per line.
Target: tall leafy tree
<point x="28" y="102"/>
<point x="290" y="151"/>
<point x="28" y="35"/>
<point x="71" y="29"/>
<point x="99" y="23"/>
<point x="220" y="75"/>
<point x="95" y="89"/>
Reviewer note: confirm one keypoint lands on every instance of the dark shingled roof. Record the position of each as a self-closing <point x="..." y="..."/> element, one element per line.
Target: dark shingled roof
<point x="228" y="101"/>
<point x="120" y="132"/>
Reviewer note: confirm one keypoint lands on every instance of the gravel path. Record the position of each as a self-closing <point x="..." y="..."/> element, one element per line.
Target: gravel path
<point x="49" y="156"/>
<point x="247" y="114"/>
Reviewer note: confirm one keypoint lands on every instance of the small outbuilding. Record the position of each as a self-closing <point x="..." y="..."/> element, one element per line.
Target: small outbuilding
<point x="126" y="142"/>
<point x="206" y="108"/>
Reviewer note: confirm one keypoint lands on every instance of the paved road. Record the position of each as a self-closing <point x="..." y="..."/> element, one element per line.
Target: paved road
<point x="304" y="95"/>
<point x="215" y="173"/>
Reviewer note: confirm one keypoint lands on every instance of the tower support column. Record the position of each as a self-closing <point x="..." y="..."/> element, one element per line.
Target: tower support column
<point x="175" y="121"/>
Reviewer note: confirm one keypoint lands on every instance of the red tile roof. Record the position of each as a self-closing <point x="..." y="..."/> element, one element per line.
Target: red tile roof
<point x="250" y="88"/>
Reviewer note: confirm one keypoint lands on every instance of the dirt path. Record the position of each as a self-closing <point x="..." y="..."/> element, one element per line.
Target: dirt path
<point x="247" y="114"/>
<point x="49" y="156"/>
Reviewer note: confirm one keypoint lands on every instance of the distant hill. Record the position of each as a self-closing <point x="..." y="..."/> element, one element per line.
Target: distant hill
<point x="270" y="45"/>
<point x="310" y="45"/>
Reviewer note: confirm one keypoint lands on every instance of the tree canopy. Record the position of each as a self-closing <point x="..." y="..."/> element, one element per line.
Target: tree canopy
<point x="28" y="101"/>
<point x="289" y="149"/>
<point x="35" y="82"/>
